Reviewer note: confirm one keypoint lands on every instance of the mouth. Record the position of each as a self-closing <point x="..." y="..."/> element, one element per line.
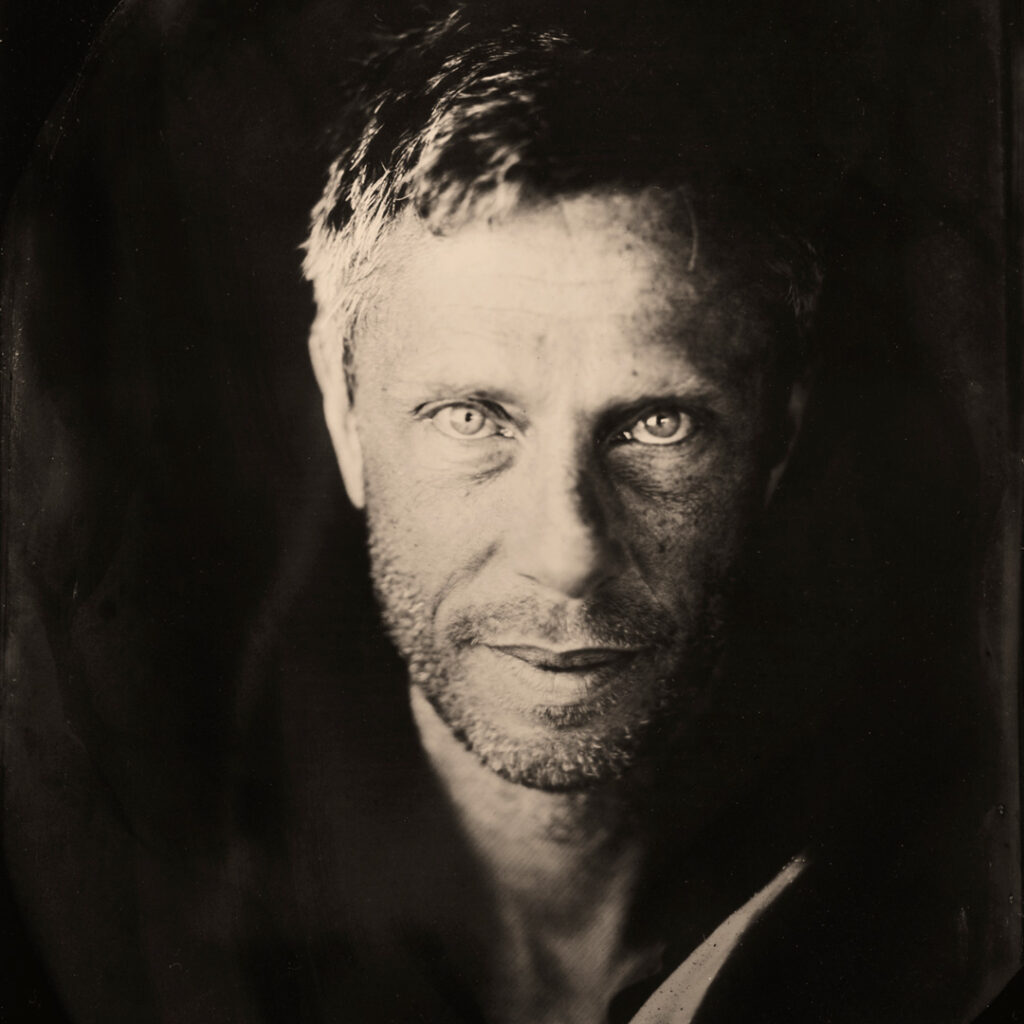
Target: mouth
<point x="564" y="688"/>
<point x="580" y="660"/>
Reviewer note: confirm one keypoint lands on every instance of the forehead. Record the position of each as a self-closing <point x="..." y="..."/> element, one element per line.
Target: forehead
<point x="608" y="277"/>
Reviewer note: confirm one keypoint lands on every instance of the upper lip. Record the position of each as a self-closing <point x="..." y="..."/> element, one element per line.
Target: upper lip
<point x="577" y="659"/>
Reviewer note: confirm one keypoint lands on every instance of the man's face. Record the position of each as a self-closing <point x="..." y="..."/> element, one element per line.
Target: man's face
<point x="559" y="432"/>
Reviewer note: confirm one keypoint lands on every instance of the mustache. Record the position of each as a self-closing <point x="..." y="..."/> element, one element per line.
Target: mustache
<point x="612" y="622"/>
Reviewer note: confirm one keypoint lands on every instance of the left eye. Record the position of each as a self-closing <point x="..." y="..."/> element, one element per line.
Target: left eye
<point x="663" y="426"/>
<point x="465" y="422"/>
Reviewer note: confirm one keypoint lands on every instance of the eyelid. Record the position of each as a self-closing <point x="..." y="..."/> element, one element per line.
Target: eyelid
<point x="428" y="409"/>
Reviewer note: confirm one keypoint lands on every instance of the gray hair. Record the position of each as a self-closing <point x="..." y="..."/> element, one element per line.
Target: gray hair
<point x="460" y="119"/>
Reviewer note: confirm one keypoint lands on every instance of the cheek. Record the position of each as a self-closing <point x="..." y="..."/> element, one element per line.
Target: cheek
<point x="428" y="528"/>
<point x="685" y="537"/>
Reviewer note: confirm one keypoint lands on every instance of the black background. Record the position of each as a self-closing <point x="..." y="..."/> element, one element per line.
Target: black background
<point x="169" y="484"/>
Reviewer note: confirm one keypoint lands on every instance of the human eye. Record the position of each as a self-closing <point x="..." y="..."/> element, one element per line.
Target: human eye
<point x="467" y="421"/>
<point x="662" y="426"/>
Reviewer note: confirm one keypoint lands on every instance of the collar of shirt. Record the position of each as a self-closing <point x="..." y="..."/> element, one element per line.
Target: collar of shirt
<point x="678" y="998"/>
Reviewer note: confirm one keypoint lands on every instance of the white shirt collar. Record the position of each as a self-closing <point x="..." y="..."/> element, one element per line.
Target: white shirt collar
<point x="678" y="998"/>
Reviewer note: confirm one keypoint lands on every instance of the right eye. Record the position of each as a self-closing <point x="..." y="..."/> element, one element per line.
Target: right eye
<point x="467" y="421"/>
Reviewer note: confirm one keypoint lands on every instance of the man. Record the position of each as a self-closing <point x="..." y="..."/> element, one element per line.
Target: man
<point x="563" y="340"/>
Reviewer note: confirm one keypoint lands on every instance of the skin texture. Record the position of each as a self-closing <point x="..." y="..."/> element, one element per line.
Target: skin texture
<point x="561" y="432"/>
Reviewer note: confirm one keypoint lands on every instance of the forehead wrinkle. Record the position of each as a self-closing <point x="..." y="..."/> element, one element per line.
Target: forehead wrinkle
<point x="502" y="346"/>
<point x="649" y="252"/>
<point x="652" y="306"/>
<point x="510" y="382"/>
<point x="513" y="294"/>
<point x="518" y="250"/>
<point x="502" y="352"/>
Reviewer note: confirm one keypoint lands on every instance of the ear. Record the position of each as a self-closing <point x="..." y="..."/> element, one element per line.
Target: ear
<point x="794" y="417"/>
<point x="341" y="424"/>
<point x="338" y="412"/>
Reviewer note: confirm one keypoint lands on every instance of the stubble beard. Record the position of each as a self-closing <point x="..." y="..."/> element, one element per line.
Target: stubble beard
<point x="566" y="749"/>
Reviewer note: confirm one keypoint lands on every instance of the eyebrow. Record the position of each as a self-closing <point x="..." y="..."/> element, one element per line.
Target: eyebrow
<point x="688" y="385"/>
<point x="449" y="388"/>
<point x="700" y="396"/>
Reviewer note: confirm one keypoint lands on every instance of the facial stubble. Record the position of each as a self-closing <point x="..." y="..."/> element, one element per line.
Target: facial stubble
<point x="565" y="747"/>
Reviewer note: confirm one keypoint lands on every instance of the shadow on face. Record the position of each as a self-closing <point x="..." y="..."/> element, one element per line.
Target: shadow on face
<point x="562" y="430"/>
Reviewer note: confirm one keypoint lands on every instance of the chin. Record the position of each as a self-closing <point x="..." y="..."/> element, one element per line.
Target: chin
<point x="555" y="773"/>
<point x="558" y="749"/>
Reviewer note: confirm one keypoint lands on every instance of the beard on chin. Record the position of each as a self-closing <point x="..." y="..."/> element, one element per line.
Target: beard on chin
<point x="569" y="746"/>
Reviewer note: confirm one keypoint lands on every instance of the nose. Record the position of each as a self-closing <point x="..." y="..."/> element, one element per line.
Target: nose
<point x="563" y="540"/>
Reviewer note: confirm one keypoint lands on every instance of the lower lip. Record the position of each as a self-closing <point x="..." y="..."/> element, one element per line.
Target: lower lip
<point x="562" y="686"/>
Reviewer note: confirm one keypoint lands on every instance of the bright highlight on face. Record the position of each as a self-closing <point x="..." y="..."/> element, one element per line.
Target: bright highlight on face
<point x="559" y="433"/>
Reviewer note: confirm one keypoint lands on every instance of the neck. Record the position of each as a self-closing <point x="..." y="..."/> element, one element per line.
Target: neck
<point x="563" y="871"/>
<point x="548" y="845"/>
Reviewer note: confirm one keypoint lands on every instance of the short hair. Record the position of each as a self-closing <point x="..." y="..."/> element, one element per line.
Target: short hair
<point x="463" y="118"/>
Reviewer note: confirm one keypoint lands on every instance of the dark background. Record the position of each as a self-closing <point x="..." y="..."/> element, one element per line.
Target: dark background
<point x="170" y="496"/>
